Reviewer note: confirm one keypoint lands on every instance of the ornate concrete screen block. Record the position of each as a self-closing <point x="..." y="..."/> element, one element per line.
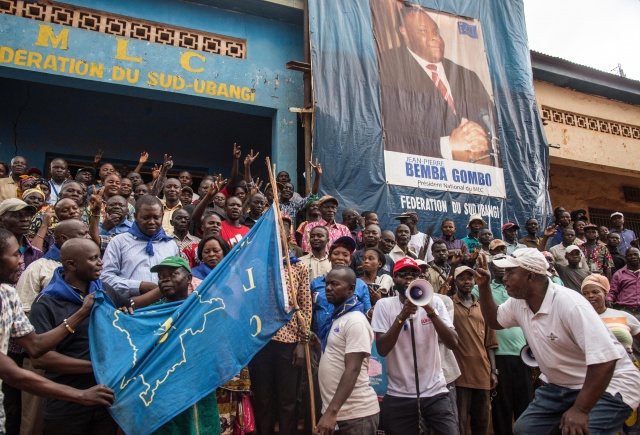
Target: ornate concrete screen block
<point x="127" y="27"/>
<point x="590" y="123"/>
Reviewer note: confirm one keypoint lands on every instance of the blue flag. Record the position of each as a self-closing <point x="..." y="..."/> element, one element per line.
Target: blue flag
<point x="165" y="358"/>
<point x="467" y="29"/>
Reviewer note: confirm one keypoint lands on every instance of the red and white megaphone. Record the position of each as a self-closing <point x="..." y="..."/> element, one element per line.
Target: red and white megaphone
<point x="419" y="292"/>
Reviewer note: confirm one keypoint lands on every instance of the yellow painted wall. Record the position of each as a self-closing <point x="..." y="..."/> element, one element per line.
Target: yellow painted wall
<point x="575" y="188"/>
<point x="586" y="148"/>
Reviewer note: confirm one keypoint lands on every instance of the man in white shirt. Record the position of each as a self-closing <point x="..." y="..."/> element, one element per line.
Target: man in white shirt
<point x="395" y="321"/>
<point x="317" y="261"/>
<point x="419" y="241"/>
<point x="347" y="397"/>
<point x="58" y="172"/>
<point x="591" y="384"/>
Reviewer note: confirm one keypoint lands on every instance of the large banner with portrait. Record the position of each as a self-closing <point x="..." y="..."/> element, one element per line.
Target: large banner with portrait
<point x="436" y="101"/>
<point x="429" y="106"/>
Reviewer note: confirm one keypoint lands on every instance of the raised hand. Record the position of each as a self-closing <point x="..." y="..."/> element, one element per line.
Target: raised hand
<point x="47" y="218"/>
<point x="550" y="231"/>
<point x="98" y="156"/>
<point x="237" y="153"/>
<point x="317" y="167"/>
<point x="168" y="162"/>
<point x="95" y="201"/>
<point x="474" y="254"/>
<point x="446" y="286"/>
<point x="215" y="188"/>
<point x="481" y="273"/>
<point x="456" y="258"/>
<point x="249" y="158"/>
<point x="144" y="156"/>
<point x="257" y="186"/>
<point x="155" y="172"/>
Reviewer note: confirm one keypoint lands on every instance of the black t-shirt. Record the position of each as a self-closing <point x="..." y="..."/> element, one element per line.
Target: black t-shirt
<point x="47" y="313"/>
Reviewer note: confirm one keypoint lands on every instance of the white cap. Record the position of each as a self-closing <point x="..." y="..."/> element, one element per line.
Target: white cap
<point x="572" y="248"/>
<point x="476" y="217"/>
<point x="617" y="213"/>
<point x="422" y="263"/>
<point x="461" y="269"/>
<point x="526" y="258"/>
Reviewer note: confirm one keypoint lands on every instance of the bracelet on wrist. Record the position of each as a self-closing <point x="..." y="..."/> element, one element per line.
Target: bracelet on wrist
<point x="66" y="325"/>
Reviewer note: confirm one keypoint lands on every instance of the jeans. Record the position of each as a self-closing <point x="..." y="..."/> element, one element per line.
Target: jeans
<point x="454" y="399"/>
<point x="543" y="415"/>
<point x="400" y="415"/>
<point x="359" y="426"/>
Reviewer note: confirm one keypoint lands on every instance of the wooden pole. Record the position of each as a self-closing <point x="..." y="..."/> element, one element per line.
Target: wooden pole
<point x="292" y="286"/>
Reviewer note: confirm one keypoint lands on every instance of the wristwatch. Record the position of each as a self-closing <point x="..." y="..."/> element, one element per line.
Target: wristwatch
<point x="495" y="372"/>
<point x="400" y="321"/>
<point x="432" y="315"/>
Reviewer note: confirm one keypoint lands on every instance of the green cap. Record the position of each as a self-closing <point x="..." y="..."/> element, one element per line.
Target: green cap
<point x="172" y="262"/>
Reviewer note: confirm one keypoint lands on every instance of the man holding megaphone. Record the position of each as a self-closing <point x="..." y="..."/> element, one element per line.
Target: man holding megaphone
<point x="407" y="335"/>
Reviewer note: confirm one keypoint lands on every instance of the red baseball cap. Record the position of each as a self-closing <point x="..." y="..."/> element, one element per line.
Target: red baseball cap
<point x="406" y="262"/>
<point x="510" y="225"/>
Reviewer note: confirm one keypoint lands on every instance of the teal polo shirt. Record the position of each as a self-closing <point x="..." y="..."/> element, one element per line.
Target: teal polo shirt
<point x="510" y="340"/>
<point x="471" y="242"/>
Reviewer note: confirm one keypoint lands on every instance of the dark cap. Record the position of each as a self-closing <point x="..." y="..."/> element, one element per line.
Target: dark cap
<point x="407" y="214"/>
<point x="574" y="214"/>
<point x="86" y="169"/>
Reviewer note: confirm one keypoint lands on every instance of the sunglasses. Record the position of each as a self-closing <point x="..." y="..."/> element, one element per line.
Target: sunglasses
<point x="413" y="275"/>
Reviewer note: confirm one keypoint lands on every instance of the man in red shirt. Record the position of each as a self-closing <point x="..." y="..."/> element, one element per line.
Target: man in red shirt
<point x="232" y="230"/>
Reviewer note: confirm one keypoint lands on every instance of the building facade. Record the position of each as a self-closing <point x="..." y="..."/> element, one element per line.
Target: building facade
<point x="592" y="125"/>
<point x="186" y="78"/>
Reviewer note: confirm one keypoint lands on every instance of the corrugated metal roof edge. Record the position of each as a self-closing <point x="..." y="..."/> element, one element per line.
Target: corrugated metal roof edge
<point x="564" y="73"/>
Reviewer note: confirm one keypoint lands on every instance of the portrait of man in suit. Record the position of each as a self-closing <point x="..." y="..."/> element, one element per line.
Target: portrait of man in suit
<point x="432" y="106"/>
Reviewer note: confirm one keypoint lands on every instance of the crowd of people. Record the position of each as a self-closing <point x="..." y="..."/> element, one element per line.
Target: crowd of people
<point x="570" y="292"/>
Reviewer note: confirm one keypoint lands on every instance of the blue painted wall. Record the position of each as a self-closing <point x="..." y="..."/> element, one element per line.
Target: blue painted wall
<point x="270" y="45"/>
<point x="53" y="120"/>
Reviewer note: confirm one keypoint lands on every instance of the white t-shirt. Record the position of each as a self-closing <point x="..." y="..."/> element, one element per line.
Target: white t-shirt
<point x="350" y="333"/>
<point x="450" y="367"/>
<point x="417" y="242"/>
<point x="566" y="335"/>
<point x="400" y="371"/>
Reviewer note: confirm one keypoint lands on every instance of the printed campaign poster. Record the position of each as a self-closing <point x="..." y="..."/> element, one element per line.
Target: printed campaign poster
<point x="438" y="112"/>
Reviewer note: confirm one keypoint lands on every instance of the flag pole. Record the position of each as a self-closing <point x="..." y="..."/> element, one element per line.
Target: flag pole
<point x="294" y="296"/>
